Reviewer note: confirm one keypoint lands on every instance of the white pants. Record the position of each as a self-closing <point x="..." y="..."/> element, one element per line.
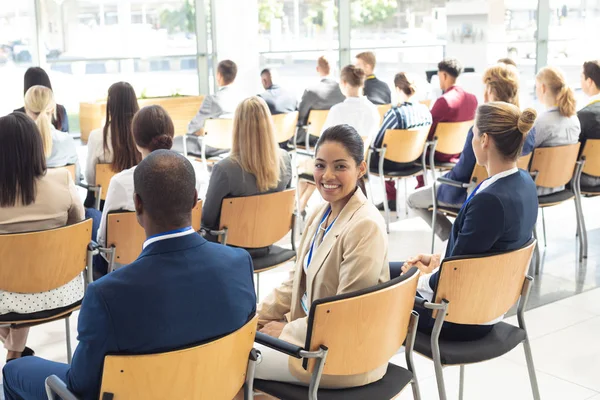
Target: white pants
<point x="274" y="366"/>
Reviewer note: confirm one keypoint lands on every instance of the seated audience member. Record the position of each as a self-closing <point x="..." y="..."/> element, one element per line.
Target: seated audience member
<point x="32" y="198"/>
<point x="501" y="84"/>
<point x="192" y="291"/>
<point x="589" y="116"/>
<point x="279" y="100"/>
<point x="408" y="114"/>
<point x="498" y="216"/>
<point x="255" y="165"/>
<point x="59" y="147"/>
<point x="152" y="130"/>
<point x="558" y="125"/>
<point x="114" y="143"/>
<point x="343" y="249"/>
<point x="455" y="105"/>
<point x="37" y="76"/>
<point x="321" y="96"/>
<point x="378" y="92"/>
<point x="507" y="61"/>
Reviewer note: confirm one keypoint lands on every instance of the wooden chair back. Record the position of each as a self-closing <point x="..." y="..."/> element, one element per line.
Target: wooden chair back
<point x="316" y="120"/>
<point x="426" y="102"/>
<point x="72" y="171"/>
<point x="482" y="288"/>
<point x="554" y="165"/>
<point x="218" y="133"/>
<point x="383" y="109"/>
<point x="523" y="161"/>
<point x="212" y="371"/>
<point x="480" y="173"/>
<point x="591" y="151"/>
<point x="451" y="136"/>
<point x="40" y="261"/>
<point x="127" y="236"/>
<point x="104" y="174"/>
<point x="285" y="126"/>
<point x="364" y="329"/>
<point x="258" y="221"/>
<point x="404" y="145"/>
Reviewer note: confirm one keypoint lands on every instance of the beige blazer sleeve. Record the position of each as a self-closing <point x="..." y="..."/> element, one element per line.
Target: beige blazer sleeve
<point x="277" y="304"/>
<point x="76" y="211"/>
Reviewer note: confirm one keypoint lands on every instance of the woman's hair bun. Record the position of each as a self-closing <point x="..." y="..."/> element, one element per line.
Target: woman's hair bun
<point x="526" y="120"/>
<point x="161" y="142"/>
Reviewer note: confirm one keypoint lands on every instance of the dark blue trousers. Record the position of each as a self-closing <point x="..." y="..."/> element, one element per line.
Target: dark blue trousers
<point x="24" y="378"/>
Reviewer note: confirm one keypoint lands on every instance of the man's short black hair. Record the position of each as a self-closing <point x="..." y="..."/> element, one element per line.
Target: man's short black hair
<point x="451" y="66"/>
<point x="228" y="70"/>
<point x="591" y="69"/>
<point x="165" y="181"/>
<point x="265" y="71"/>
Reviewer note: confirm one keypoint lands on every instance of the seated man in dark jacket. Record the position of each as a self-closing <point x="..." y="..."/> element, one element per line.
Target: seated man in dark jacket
<point x="279" y="100"/>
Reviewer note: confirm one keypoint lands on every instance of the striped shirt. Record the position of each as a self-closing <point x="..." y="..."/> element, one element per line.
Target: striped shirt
<point x="405" y="116"/>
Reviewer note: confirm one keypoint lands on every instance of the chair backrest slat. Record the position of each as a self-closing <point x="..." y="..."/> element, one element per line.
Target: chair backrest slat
<point x="554" y="165"/>
<point x="212" y="371"/>
<point x="316" y="120"/>
<point x="285" y="126"/>
<point x="480" y="173"/>
<point x="363" y="332"/>
<point x="127" y="236"/>
<point x="452" y="136"/>
<point x="218" y="133"/>
<point x="181" y="109"/>
<point x="404" y="145"/>
<point x="482" y="288"/>
<point x="383" y="109"/>
<point x="40" y="261"/>
<point x="257" y="221"/>
<point x="591" y="151"/>
<point x="104" y="174"/>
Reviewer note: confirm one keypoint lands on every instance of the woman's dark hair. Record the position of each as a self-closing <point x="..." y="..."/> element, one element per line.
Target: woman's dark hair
<point x="121" y="106"/>
<point x="348" y="137"/>
<point x="22" y="159"/>
<point x="402" y="82"/>
<point x="35" y="76"/>
<point x="353" y="76"/>
<point x="153" y="128"/>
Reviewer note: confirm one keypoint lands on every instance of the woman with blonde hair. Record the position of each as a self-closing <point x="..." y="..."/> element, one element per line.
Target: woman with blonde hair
<point x="59" y="147"/>
<point x="256" y="164"/>
<point x="558" y="125"/>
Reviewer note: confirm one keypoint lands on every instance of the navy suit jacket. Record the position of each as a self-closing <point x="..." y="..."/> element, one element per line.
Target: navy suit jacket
<point x="498" y="219"/>
<point x="378" y="92"/>
<point x="179" y="292"/>
<point x="463" y="170"/>
<point x="279" y="100"/>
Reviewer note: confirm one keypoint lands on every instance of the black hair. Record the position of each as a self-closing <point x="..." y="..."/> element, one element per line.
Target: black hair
<point x="451" y="66"/>
<point x="35" y="76"/>
<point x="153" y="128"/>
<point x="22" y="159"/>
<point x="265" y="71"/>
<point x="591" y="69"/>
<point x="165" y="182"/>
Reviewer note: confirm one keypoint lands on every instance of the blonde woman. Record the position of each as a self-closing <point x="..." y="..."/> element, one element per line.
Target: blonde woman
<point x="59" y="147"/>
<point x="256" y="164"/>
<point x="558" y="125"/>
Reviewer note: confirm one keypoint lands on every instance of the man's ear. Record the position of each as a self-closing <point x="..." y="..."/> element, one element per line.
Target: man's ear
<point x="137" y="202"/>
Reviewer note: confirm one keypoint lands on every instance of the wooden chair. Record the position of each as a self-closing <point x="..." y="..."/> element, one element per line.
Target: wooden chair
<point x="36" y="262"/>
<point x="71" y="168"/>
<point x="257" y="222"/>
<point x="216" y="370"/>
<point x="591" y="152"/>
<point x="548" y="173"/>
<point x="426" y="102"/>
<point x="104" y="174"/>
<point x="285" y="126"/>
<point x="400" y="146"/>
<point x="314" y="127"/>
<point x="383" y="109"/>
<point x="181" y="109"/>
<point x="449" y="138"/>
<point x="125" y="237"/>
<point x="476" y="290"/>
<point x="218" y="134"/>
<point x="351" y="334"/>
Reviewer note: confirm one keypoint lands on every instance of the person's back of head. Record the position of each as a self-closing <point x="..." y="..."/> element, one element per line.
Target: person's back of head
<point x="550" y="80"/>
<point x="153" y="129"/>
<point x="22" y="159"/>
<point x="449" y="70"/>
<point x="352" y="76"/>
<point x="501" y="84"/>
<point x="254" y="146"/>
<point x="121" y="107"/>
<point x="165" y="191"/>
<point x="35" y="76"/>
<point x="323" y="67"/>
<point x="590" y="78"/>
<point x="506" y="126"/>
<point x="40" y="105"/>
<point x="405" y="84"/>
<point x="366" y="61"/>
<point x="227" y="69"/>
<point x="507" y="61"/>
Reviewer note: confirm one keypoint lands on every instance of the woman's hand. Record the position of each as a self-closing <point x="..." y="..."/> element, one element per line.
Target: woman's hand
<point x="273" y="328"/>
<point x="426" y="263"/>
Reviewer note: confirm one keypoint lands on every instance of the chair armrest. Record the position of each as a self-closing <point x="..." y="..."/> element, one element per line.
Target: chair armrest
<point x="450" y="182"/>
<point x="279" y="345"/>
<point x="55" y="386"/>
<point x="419" y="301"/>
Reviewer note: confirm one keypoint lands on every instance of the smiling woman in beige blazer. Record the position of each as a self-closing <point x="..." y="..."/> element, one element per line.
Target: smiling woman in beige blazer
<point x="343" y="249"/>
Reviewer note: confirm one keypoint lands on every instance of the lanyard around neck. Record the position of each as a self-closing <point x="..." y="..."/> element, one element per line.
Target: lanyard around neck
<point x="312" y="246"/>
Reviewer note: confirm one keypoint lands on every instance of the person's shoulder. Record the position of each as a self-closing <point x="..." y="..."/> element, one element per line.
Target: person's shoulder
<point x="225" y="255"/>
<point x="368" y="217"/>
<point x="96" y="136"/>
<point x="56" y="176"/>
<point x="124" y="176"/>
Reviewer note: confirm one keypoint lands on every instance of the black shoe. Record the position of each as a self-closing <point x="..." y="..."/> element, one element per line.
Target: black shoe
<point x="391" y="205"/>
<point x="26" y="353"/>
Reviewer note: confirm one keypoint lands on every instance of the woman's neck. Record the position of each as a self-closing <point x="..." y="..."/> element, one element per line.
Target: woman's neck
<point x="550" y="101"/>
<point x="352" y="92"/>
<point x="338" y="206"/>
<point x="497" y="166"/>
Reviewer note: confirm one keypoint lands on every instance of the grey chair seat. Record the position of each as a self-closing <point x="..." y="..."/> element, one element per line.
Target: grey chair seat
<point x="408" y="171"/>
<point x="277" y="255"/>
<point x="45" y="314"/>
<point x="557" y="197"/>
<point x="502" y="339"/>
<point x="388" y="387"/>
<point x="590" y="189"/>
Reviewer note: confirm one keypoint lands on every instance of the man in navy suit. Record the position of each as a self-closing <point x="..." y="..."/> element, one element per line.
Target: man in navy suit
<point x="180" y="291"/>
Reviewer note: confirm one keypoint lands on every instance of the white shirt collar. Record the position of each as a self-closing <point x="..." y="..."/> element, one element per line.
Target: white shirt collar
<point x="488" y="182"/>
<point x="168" y="235"/>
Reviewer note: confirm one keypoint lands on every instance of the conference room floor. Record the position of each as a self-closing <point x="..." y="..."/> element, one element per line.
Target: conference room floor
<point x="563" y="317"/>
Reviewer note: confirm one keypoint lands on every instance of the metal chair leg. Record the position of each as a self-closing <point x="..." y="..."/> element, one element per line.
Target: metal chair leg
<point x="531" y="369"/>
<point x="544" y="227"/>
<point x="397" y="184"/>
<point x="386" y="207"/>
<point x="581" y="228"/>
<point x="461" y="384"/>
<point x="405" y="197"/>
<point x="257" y="287"/>
<point x="68" y="332"/>
<point x="537" y="251"/>
<point x="439" y="377"/>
